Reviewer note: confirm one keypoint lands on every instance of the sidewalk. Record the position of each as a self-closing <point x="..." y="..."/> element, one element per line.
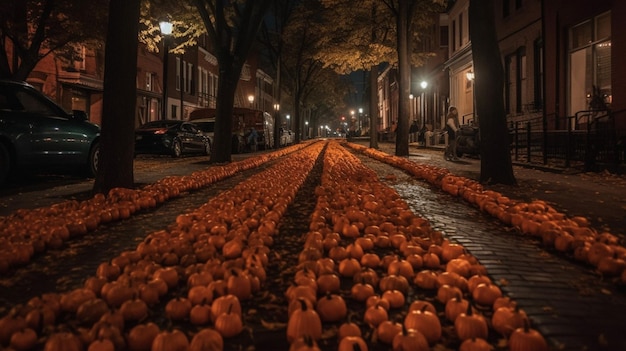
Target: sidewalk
<point x="600" y="197"/>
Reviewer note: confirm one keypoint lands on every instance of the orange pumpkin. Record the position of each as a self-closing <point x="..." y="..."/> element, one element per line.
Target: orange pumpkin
<point x="175" y="340"/>
<point x="304" y="321"/>
<point x="425" y="322"/>
<point x="470" y="325"/>
<point x="506" y="319"/>
<point x="331" y="308"/>
<point x="527" y="338"/>
<point x="387" y="331"/>
<point x="352" y="343"/>
<point x="141" y="336"/>
<point x="410" y="340"/>
<point x="229" y="324"/>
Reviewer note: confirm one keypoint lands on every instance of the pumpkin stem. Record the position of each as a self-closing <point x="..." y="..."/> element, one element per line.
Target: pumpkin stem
<point x="356" y="347"/>
<point x="526" y="325"/>
<point x="469" y="309"/>
<point x="303" y="304"/>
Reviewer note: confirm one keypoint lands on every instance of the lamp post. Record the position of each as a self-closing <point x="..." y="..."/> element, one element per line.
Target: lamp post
<point x="306" y="129"/>
<point x="361" y="120"/>
<point x="166" y="31"/>
<point x="424" y="85"/>
<point x="288" y="122"/>
<point x="251" y="100"/>
<point x="470" y="77"/>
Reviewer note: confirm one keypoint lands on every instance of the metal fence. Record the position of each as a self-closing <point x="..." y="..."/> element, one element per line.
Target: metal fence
<point x="585" y="141"/>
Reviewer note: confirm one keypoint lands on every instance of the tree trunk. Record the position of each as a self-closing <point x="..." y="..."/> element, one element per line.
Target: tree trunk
<point x="227" y="84"/>
<point x="115" y="167"/>
<point x="404" y="86"/>
<point x="495" y="155"/>
<point x="374" y="106"/>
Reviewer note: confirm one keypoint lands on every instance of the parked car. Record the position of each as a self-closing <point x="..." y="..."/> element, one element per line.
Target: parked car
<point x="171" y="137"/>
<point x="37" y="132"/>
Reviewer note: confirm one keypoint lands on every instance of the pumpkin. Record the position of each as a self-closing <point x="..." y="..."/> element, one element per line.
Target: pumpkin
<point x="348" y="329"/>
<point x="394" y="282"/>
<point x="207" y="339"/>
<point x="526" y="338"/>
<point x="24" y="339"/>
<point x="426" y="280"/>
<point x="141" y="336"/>
<point x="178" y="309"/>
<point x="64" y="341"/>
<point x="305" y="343"/>
<point x="506" y="319"/>
<point x="375" y="315"/>
<point x="331" y="308"/>
<point x="101" y="345"/>
<point x="425" y="322"/>
<point x="352" y="343"/>
<point x="485" y="294"/>
<point x="200" y="314"/>
<point x="447" y="292"/>
<point x="454" y="307"/>
<point x="361" y="291"/>
<point x="410" y="340"/>
<point x="134" y="310"/>
<point x="174" y="340"/>
<point x="475" y="344"/>
<point x="470" y="325"/>
<point x="328" y="283"/>
<point x="395" y="297"/>
<point x="387" y="331"/>
<point x="238" y="284"/>
<point x="304" y="321"/>
<point x="224" y="304"/>
<point x="229" y="324"/>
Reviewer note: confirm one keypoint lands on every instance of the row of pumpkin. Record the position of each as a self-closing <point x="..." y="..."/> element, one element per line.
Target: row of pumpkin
<point x="366" y="246"/>
<point x="573" y="236"/>
<point x="28" y="232"/>
<point x="181" y="288"/>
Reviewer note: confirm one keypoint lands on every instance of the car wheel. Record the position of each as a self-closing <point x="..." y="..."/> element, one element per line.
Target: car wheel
<point x="207" y="148"/>
<point x="94" y="160"/>
<point x="177" y="149"/>
<point x="5" y="163"/>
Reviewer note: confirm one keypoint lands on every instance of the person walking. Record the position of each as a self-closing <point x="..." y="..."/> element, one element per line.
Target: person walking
<point x="253" y="139"/>
<point x="452" y="128"/>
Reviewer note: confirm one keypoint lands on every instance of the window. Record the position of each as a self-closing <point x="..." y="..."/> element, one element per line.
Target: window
<point x="453" y="39"/>
<point x="520" y="97"/>
<point x="443" y="36"/>
<point x="460" y="30"/>
<point x="590" y="64"/>
<point x="149" y="81"/>
<point x="538" y="74"/>
<point x="189" y="79"/>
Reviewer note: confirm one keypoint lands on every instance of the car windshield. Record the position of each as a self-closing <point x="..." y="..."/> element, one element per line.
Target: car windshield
<point x="160" y="124"/>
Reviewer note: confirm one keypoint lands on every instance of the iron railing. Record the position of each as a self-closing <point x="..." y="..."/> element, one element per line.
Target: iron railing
<point x="585" y="141"/>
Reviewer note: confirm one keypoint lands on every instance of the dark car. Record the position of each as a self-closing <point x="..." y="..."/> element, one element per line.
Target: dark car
<point x="35" y="131"/>
<point x="171" y="137"/>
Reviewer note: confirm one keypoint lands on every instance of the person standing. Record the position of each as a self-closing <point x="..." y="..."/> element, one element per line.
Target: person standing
<point x="253" y="139"/>
<point x="452" y="127"/>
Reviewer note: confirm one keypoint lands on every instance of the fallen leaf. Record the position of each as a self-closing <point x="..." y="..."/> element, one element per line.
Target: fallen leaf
<point x="273" y="325"/>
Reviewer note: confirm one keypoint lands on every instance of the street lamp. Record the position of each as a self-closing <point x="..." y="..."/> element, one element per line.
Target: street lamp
<point x="424" y="85"/>
<point x="288" y="122"/>
<point x="470" y="77"/>
<point x="251" y="100"/>
<point x="166" y="30"/>
<point x="306" y="127"/>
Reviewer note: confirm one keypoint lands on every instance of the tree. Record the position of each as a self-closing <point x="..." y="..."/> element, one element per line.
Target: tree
<point x="367" y="33"/>
<point x="115" y="168"/>
<point x="232" y="27"/>
<point x="37" y="28"/>
<point x="495" y="160"/>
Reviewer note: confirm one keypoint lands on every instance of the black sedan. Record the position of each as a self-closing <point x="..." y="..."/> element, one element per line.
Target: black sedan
<point x="36" y="132"/>
<point x="171" y="137"/>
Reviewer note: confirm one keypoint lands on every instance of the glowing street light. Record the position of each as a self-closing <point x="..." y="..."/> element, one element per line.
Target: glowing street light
<point x="251" y="100"/>
<point x="166" y="28"/>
